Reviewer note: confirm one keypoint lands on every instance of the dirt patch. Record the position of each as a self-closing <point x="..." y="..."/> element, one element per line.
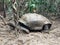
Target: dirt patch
<point x="8" y="37"/>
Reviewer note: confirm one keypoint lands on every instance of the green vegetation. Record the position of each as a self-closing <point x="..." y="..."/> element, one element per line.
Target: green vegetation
<point x="37" y="6"/>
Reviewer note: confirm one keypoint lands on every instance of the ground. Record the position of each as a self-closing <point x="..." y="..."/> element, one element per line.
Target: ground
<point x="8" y="37"/>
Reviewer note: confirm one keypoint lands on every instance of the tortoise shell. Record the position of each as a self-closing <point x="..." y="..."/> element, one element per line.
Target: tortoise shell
<point x="33" y="21"/>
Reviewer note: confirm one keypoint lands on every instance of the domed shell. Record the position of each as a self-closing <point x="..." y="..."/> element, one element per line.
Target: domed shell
<point x="34" y="21"/>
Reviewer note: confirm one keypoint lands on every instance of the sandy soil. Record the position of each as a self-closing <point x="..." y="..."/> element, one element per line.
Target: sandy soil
<point x="8" y="37"/>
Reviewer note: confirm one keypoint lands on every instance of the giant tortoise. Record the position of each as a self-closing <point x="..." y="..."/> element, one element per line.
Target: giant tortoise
<point x="33" y="21"/>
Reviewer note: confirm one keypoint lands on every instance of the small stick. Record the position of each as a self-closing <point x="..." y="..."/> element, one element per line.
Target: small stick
<point x="3" y="19"/>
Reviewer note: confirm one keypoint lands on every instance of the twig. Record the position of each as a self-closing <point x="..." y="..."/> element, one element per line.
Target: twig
<point x="3" y="19"/>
